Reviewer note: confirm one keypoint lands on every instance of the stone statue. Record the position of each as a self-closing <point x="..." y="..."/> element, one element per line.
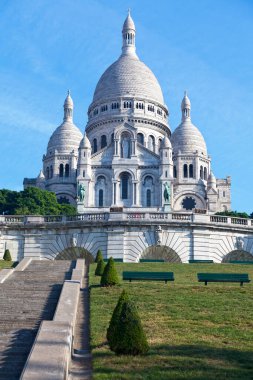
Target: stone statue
<point x="73" y="240"/>
<point x="166" y="193"/>
<point x="81" y="192"/>
<point x="239" y="243"/>
<point x="125" y="147"/>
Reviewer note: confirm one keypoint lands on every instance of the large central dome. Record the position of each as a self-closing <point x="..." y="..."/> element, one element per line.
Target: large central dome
<point x="128" y="76"/>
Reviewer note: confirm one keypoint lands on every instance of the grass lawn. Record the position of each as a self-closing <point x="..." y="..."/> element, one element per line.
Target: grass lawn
<point x="195" y="331"/>
<point x="6" y="264"/>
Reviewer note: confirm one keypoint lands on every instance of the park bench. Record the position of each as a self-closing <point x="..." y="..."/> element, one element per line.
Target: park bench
<point x="115" y="260"/>
<point x="200" y="261"/>
<point x="223" y="277"/>
<point x="240" y="262"/>
<point x="148" y="276"/>
<point x="151" y="261"/>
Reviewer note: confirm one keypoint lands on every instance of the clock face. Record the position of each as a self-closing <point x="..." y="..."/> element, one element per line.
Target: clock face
<point x="188" y="203"/>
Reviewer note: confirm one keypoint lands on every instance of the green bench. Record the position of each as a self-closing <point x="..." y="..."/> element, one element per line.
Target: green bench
<point x="151" y="261"/>
<point x="240" y="262"/>
<point x="148" y="276"/>
<point x="115" y="260"/>
<point x="223" y="277"/>
<point x="200" y="261"/>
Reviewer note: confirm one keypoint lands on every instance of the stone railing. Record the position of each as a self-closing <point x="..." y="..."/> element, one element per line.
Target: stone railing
<point x="158" y="216"/>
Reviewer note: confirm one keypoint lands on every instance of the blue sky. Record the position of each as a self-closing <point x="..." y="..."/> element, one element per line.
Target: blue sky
<point x="202" y="46"/>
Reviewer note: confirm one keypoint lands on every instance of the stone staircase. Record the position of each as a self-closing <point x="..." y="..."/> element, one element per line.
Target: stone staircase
<point x="27" y="298"/>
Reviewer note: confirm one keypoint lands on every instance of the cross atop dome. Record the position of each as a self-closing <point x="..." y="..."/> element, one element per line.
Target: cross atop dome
<point x="128" y="35"/>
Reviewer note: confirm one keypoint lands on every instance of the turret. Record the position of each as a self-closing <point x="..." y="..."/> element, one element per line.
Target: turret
<point x="128" y="36"/>
<point x="68" y="108"/>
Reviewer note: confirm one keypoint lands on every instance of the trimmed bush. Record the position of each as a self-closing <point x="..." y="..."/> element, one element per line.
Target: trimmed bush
<point x="99" y="256"/>
<point x="110" y="275"/>
<point x="115" y="318"/>
<point x="100" y="268"/>
<point x="126" y="336"/>
<point x="7" y="255"/>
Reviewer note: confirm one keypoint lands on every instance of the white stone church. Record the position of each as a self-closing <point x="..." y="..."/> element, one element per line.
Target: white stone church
<point x="128" y="159"/>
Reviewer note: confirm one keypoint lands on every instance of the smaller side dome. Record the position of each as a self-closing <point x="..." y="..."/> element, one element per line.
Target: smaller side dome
<point x="211" y="181"/>
<point x="41" y="175"/>
<point x="186" y="138"/>
<point x="166" y="142"/>
<point x="85" y="142"/>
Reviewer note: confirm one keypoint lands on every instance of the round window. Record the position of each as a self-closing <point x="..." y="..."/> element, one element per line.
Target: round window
<point x="188" y="203"/>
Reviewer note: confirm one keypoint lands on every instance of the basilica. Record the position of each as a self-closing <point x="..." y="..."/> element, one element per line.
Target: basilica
<point x="128" y="159"/>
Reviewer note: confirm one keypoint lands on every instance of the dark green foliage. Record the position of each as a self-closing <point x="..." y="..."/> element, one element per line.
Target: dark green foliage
<point x="234" y="214"/>
<point x="125" y="333"/>
<point x="7" y="255"/>
<point x="32" y="201"/>
<point x="110" y="275"/>
<point x="99" y="256"/>
<point x="115" y="319"/>
<point x="100" y="268"/>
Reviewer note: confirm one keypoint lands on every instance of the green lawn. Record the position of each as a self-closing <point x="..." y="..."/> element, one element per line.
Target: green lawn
<point x="195" y="331"/>
<point x="6" y="264"/>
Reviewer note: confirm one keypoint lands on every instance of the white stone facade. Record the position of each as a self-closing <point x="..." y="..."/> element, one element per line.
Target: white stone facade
<point x="128" y="154"/>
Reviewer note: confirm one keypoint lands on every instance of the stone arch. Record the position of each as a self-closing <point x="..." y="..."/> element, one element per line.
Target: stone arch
<point x="161" y="252"/>
<point x="200" y="202"/>
<point x="237" y="255"/>
<point x="73" y="253"/>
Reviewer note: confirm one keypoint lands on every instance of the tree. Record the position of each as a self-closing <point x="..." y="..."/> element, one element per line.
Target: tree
<point x="110" y="275"/>
<point x="100" y="268"/>
<point x="234" y="214"/>
<point x="115" y="319"/>
<point x="126" y="335"/>
<point x="7" y="255"/>
<point x="99" y="256"/>
<point x="32" y="201"/>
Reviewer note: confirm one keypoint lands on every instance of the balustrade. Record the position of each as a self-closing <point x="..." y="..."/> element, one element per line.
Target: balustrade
<point x="218" y="219"/>
<point x="186" y="217"/>
<point x="14" y="219"/>
<point x="241" y="221"/>
<point x="136" y="215"/>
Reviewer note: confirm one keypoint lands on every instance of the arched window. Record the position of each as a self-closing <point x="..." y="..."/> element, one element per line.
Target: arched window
<point x="51" y="171"/>
<point x="151" y="143"/>
<point x="148" y="198"/>
<point x="125" y="144"/>
<point x="201" y="172"/>
<point x="100" y="198"/>
<point x="174" y="171"/>
<point x="191" y="171"/>
<point x="83" y="173"/>
<point x="124" y="185"/>
<point x="160" y="141"/>
<point x="103" y="141"/>
<point x="185" y="171"/>
<point x="112" y="137"/>
<point x="61" y="170"/>
<point x="127" y="105"/>
<point x="95" y="146"/>
<point x="47" y="173"/>
<point x="140" y="138"/>
<point x="205" y="174"/>
<point x="67" y="170"/>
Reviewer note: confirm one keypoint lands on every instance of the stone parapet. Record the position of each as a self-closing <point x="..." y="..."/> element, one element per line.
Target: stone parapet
<point x="51" y="353"/>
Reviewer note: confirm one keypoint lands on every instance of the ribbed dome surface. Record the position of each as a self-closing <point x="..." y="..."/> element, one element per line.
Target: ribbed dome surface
<point x="65" y="138"/>
<point x="187" y="138"/>
<point x="128" y="76"/>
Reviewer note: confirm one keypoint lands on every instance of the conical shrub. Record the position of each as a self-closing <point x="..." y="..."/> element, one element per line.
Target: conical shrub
<point x="115" y="319"/>
<point x="128" y="336"/>
<point x="110" y="275"/>
<point x="100" y="268"/>
<point x="7" y="255"/>
<point x="99" y="256"/>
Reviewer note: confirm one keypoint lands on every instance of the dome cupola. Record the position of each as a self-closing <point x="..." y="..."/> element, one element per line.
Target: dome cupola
<point x="186" y="138"/>
<point x="67" y="136"/>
